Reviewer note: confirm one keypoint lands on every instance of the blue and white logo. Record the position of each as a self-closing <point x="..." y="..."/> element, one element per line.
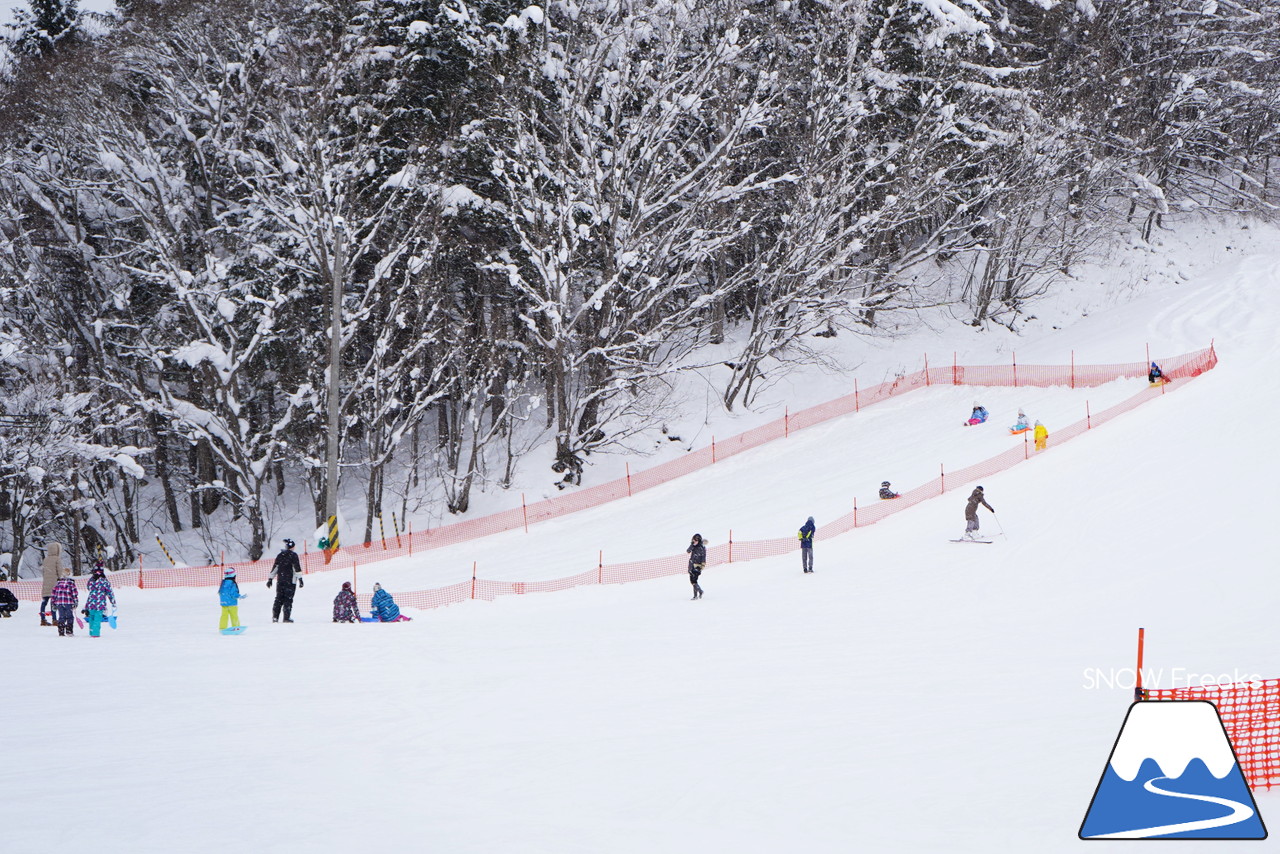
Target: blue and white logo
<point x="1173" y="775"/>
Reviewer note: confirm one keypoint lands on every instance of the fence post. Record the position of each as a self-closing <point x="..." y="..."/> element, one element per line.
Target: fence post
<point x="409" y="533"/>
<point x="942" y="474"/>
<point x="525" y="508"/>
<point x="1088" y="418"/>
<point x="926" y="370"/>
<point x="786" y="422"/>
<point x="473" y="579"/>
<point x="855" y="511"/>
<point x="713" y="449"/>
<point x="1138" y="693"/>
<point x="955" y="369"/>
<point x="1026" y="447"/>
<point x="731" y="545"/>
<point x="855" y="394"/>
<point x="1073" y="368"/>
<point x="1015" y="368"/>
<point x="139" y="570"/>
<point x="628" y="490"/>
<point x="600" y="567"/>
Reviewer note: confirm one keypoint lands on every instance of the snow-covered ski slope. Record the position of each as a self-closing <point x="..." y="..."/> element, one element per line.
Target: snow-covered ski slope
<point x="910" y="695"/>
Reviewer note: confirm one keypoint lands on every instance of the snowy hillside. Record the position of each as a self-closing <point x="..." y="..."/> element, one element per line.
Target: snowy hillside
<point x="910" y="695"/>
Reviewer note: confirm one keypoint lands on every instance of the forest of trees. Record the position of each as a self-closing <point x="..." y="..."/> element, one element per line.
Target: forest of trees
<point x="536" y="214"/>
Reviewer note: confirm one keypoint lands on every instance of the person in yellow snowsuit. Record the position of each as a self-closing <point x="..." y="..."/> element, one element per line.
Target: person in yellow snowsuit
<point x="1042" y="436"/>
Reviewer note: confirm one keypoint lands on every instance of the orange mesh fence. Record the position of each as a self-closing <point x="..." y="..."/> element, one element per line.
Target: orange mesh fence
<point x="1178" y="369"/>
<point x="1251" y="714"/>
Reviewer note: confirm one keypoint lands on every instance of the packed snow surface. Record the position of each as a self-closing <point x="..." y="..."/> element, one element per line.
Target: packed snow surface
<point x="910" y="695"/>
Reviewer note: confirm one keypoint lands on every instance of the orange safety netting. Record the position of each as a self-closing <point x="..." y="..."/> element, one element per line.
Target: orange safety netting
<point x="1251" y="714"/>
<point x="1178" y="370"/>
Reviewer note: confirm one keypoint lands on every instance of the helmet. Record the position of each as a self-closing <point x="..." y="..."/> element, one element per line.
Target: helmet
<point x="288" y="544"/>
<point x="99" y="568"/>
<point x="884" y="483"/>
<point x="229" y="572"/>
<point x="979" y="488"/>
<point x="346" y="585"/>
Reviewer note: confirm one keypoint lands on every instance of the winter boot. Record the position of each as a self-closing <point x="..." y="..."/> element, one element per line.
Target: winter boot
<point x="44" y="619"/>
<point x="62" y="630"/>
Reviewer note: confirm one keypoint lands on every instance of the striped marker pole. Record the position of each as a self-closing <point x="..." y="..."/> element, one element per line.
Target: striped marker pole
<point x="172" y="562"/>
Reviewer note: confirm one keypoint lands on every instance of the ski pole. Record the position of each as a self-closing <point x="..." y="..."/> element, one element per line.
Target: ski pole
<point x="998" y="525"/>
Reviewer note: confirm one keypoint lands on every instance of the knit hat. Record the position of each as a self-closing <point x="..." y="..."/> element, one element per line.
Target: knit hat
<point x="346" y="585"/>
<point x="229" y="572"/>
<point x="98" y="568"/>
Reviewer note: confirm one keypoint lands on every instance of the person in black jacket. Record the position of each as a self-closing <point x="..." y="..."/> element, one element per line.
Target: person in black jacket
<point x="697" y="560"/>
<point x="286" y="570"/>
<point x="8" y="602"/>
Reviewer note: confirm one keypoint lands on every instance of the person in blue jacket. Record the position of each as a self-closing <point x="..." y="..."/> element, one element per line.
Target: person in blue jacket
<point x="979" y="414"/>
<point x="229" y="595"/>
<point x="806" y="544"/>
<point x="385" y="609"/>
<point x="1155" y="374"/>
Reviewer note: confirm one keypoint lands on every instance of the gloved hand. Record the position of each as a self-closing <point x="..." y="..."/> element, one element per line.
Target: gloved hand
<point x="244" y="595"/>
<point x="268" y="582"/>
<point x="301" y="583"/>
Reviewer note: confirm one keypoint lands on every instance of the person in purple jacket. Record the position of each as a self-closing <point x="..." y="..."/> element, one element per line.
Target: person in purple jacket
<point x="96" y="602"/>
<point x="64" y="597"/>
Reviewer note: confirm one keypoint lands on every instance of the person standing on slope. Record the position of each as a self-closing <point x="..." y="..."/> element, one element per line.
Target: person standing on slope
<point x="1042" y="436"/>
<point x="806" y="545"/>
<point x="64" y="598"/>
<point x="697" y="552"/>
<point x="50" y="572"/>
<point x="96" y="602"/>
<point x="229" y="597"/>
<point x="971" y="512"/>
<point x="285" y="570"/>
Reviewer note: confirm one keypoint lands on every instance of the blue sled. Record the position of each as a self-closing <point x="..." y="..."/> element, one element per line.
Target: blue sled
<point x="233" y="630"/>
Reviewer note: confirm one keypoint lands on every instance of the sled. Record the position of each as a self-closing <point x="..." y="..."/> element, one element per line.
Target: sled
<point x="1013" y="431"/>
<point x="111" y="619"/>
<point x="233" y="630"/>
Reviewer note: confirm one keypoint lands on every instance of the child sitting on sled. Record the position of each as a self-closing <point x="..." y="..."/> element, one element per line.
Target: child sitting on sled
<point x="345" y="609"/>
<point x="886" y="491"/>
<point x="1022" y="425"/>
<point x="385" y="609"/>
<point x="979" y="414"/>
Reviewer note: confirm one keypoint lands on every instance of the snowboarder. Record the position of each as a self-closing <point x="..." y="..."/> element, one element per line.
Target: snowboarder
<point x="971" y="512"/>
<point x="96" y="602"/>
<point x="979" y="414"/>
<point x="886" y="491"/>
<point x="697" y="552"/>
<point x="806" y="545"/>
<point x="345" y="608"/>
<point x="1155" y="375"/>
<point x="50" y="571"/>
<point x="285" y="569"/>
<point x="385" y="609"/>
<point x="1042" y="436"/>
<point x="1022" y="425"/>
<point x="65" y="597"/>
<point x="229" y="595"/>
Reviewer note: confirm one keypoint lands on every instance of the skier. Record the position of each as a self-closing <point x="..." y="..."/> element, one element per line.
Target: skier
<point x="1042" y="436"/>
<point x="51" y="571"/>
<point x="886" y="491"/>
<point x="285" y="568"/>
<point x="806" y="545"/>
<point x="1155" y="375"/>
<point x="229" y="595"/>
<point x="385" y="609"/>
<point x="345" y="608"/>
<point x="1022" y="425"/>
<point x="979" y="414"/>
<point x="65" y="597"/>
<point x="96" y="602"/>
<point x="971" y="512"/>
<point x="697" y="552"/>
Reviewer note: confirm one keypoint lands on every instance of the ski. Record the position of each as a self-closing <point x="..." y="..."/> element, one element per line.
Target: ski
<point x="966" y="540"/>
